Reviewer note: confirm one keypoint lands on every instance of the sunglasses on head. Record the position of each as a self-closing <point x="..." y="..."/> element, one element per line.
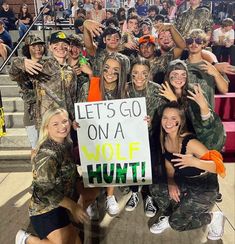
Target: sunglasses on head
<point x="191" y="40"/>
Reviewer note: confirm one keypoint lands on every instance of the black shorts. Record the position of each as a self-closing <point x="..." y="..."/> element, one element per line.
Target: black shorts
<point x="44" y="224"/>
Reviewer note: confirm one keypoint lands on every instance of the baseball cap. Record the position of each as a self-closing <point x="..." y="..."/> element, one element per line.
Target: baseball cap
<point x="32" y="39"/>
<point x="59" y="36"/>
<point x="147" y="39"/>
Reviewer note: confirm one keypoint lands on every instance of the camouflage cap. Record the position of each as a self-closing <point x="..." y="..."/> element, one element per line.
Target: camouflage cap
<point x="59" y="36"/>
<point x="75" y="40"/>
<point x="33" y="39"/>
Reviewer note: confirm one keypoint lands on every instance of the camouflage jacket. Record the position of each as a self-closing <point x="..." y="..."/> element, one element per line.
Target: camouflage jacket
<point x="207" y="82"/>
<point x="81" y="78"/>
<point x="97" y="61"/>
<point x="150" y="93"/>
<point x="160" y="64"/>
<point x="210" y="132"/>
<point x="24" y="80"/>
<point x="54" y="176"/>
<point x="199" y="18"/>
<point x="56" y="85"/>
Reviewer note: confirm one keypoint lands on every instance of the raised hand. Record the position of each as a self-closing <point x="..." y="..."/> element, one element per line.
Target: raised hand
<point x="32" y="67"/>
<point x="167" y="92"/>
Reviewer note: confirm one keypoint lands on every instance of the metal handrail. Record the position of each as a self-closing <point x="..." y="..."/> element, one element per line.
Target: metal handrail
<point x="26" y="33"/>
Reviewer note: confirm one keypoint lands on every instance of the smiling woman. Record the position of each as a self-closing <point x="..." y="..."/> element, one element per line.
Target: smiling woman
<point x="54" y="184"/>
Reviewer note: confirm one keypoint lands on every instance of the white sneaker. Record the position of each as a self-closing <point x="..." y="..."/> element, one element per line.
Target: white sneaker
<point x="160" y="226"/>
<point x="21" y="237"/>
<point x="112" y="205"/>
<point x="93" y="211"/>
<point x="149" y="208"/>
<point x="216" y="227"/>
<point x="132" y="202"/>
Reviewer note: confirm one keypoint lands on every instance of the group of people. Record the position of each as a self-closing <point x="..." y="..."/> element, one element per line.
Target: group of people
<point x="185" y="134"/>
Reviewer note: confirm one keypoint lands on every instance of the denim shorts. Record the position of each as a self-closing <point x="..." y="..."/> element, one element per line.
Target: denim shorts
<point x="44" y="224"/>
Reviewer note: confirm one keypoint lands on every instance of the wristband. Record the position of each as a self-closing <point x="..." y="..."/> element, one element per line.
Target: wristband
<point x="213" y="63"/>
<point x="206" y="116"/>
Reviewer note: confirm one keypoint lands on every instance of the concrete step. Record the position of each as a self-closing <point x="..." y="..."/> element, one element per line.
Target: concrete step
<point x="14" y="119"/>
<point x="13" y="104"/>
<point x="15" y="165"/>
<point x="6" y="80"/>
<point x="14" y="138"/>
<point x="9" y="90"/>
<point x="15" y="154"/>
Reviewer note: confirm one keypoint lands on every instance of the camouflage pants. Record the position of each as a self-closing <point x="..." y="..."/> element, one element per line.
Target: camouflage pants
<point x="197" y="199"/>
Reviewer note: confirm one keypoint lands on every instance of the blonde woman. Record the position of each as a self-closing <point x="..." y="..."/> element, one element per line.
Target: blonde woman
<point x="54" y="185"/>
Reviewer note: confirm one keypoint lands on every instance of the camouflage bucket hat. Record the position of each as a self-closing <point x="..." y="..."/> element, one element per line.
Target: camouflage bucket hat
<point x="75" y="40"/>
<point x="59" y="36"/>
<point x="33" y="39"/>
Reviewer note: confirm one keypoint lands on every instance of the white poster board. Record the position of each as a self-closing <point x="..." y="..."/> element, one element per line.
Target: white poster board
<point x="113" y="142"/>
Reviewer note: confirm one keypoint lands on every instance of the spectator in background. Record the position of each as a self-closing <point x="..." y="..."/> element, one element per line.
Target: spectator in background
<point x="121" y="16"/>
<point x="159" y="19"/>
<point x="74" y="9"/>
<point x="59" y="5"/>
<point x="88" y="6"/>
<point x="47" y="11"/>
<point x="142" y="8"/>
<point x="5" y="42"/>
<point x="195" y="17"/>
<point x="146" y="26"/>
<point x="165" y="9"/>
<point x="24" y="19"/>
<point x="223" y="39"/>
<point x="109" y="14"/>
<point x="78" y="26"/>
<point x="8" y="16"/>
<point x="129" y="4"/>
<point x="153" y="11"/>
<point x="97" y="13"/>
<point x="172" y="8"/>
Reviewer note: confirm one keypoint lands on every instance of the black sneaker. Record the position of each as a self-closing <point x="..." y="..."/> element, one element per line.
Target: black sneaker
<point x="219" y="197"/>
<point x="133" y="202"/>
<point x="149" y="208"/>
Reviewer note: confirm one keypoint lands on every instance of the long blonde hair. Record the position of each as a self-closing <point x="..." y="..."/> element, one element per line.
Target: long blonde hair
<point x="43" y="134"/>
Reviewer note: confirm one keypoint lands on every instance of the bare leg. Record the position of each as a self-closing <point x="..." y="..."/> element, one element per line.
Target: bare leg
<point x="3" y="51"/>
<point x="87" y="195"/>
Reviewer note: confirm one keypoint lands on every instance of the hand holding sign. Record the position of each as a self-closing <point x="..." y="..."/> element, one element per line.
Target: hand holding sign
<point x="113" y="142"/>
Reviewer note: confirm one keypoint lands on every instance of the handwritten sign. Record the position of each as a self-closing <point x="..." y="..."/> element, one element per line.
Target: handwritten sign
<point x="113" y="142"/>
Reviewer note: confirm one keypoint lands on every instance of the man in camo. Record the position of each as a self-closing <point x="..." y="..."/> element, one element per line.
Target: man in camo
<point x="56" y="84"/>
<point x="193" y="18"/>
<point x="203" y="72"/>
<point x="111" y="36"/>
<point x="159" y="64"/>
<point x="22" y="71"/>
<point x="77" y="61"/>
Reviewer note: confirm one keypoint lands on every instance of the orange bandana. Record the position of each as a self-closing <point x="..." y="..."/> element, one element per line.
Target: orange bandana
<point x="218" y="160"/>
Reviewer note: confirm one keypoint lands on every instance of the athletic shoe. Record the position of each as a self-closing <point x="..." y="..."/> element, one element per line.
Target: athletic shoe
<point x="21" y="237"/>
<point x="216" y="227"/>
<point x="161" y="225"/>
<point x="112" y="205"/>
<point x="132" y="202"/>
<point x="93" y="211"/>
<point x="149" y="209"/>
